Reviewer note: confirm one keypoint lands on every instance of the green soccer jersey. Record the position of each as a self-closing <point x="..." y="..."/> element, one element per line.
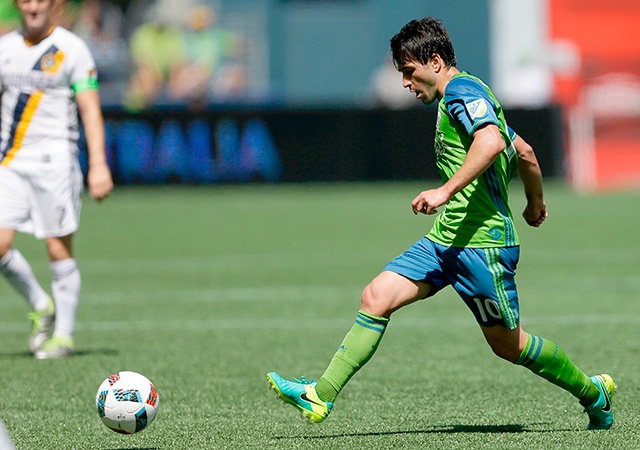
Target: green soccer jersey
<point x="479" y="215"/>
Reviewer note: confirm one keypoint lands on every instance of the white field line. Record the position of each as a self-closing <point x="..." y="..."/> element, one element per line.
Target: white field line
<point x="136" y="326"/>
<point x="230" y="294"/>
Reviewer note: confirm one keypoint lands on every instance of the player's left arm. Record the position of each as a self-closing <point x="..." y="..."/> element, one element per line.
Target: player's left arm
<point x="531" y="176"/>
<point x="486" y="146"/>
<point x="99" y="176"/>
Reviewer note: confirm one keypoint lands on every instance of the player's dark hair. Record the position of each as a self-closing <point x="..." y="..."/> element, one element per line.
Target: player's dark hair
<point x="419" y="40"/>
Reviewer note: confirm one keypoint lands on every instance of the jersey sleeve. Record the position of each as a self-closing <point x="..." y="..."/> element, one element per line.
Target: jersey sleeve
<point x="469" y="103"/>
<point x="84" y="75"/>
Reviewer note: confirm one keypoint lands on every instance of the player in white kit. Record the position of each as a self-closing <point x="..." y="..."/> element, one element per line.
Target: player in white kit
<point x="47" y="75"/>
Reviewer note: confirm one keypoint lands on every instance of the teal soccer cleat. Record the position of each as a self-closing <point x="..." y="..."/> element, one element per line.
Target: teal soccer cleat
<point x="600" y="413"/>
<point x="301" y="394"/>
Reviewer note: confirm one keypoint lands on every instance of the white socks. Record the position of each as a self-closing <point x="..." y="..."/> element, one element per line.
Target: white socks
<point x="65" y="287"/>
<point x="19" y="274"/>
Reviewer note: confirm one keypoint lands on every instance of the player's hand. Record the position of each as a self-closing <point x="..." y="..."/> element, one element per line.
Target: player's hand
<point x="427" y="201"/>
<point x="535" y="213"/>
<point x="99" y="181"/>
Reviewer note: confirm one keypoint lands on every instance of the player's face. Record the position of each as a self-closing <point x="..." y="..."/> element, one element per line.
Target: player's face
<point x="36" y="15"/>
<point x="420" y="79"/>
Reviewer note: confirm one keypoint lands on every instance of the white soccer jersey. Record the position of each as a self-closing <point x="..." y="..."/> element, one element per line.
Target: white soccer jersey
<point x="39" y="115"/>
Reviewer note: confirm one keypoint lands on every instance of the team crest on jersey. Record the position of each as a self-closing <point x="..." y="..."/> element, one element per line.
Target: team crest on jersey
<point x="51" y="61"/>
<point x="495" y="233"/>
<point x="477" y="108"/>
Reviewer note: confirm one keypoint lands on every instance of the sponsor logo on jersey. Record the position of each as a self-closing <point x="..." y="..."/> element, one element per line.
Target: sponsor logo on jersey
<point x="477" y="108"/>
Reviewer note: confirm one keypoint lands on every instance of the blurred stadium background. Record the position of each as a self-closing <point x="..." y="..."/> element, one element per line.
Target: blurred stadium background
<point x="303" y="90"/>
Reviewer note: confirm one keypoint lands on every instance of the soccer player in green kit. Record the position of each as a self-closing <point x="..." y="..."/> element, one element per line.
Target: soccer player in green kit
<point x="473" y="245"/>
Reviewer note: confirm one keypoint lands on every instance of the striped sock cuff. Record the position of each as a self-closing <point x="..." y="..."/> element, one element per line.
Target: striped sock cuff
<point x="63" y="268"/>
<point x="371" y="321"/>
<point x="531" y="351"/>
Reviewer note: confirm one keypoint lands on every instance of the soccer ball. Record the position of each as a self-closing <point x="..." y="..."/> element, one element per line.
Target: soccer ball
<point x="127" y="402"/>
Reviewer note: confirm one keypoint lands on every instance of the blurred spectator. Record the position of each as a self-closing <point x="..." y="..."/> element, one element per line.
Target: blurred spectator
<point x="211" y="52"/>
<point x="135" y="14"/>
<point x="9" y="16"/>
<point x="100" y="24"/>
<point x="158" y="59"/>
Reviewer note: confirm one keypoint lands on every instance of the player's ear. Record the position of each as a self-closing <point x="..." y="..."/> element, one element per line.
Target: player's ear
<point x="435" y="62"/>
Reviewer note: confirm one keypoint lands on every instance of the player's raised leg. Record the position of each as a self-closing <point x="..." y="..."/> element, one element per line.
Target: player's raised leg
<point x="385" y="294"/>
<point x="315" y="399"/>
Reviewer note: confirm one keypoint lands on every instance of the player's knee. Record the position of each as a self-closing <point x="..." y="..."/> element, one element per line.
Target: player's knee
<point x="367" y="299"/>
<point x="372" y="301"/>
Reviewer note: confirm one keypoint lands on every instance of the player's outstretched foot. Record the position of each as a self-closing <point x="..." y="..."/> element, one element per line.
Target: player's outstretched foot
<point x="41" y="322"/>
<point x="55" y="348"/>
<point x="601" y="412"/>
<point x="301" y="394"/>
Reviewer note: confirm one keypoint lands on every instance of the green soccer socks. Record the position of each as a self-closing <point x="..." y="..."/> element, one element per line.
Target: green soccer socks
<point x="546" y="359"/>
<point x="357" y="348"/>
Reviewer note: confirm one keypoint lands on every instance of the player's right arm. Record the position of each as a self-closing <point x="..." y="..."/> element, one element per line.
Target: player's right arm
<point x="486" y="146"/>
<point x="531" y="176"/>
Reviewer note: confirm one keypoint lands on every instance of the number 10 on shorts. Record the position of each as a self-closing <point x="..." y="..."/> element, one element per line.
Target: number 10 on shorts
<point x="488" y="307"/>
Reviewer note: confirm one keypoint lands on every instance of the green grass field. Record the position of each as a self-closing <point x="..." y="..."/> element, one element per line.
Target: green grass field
<point x="205" y="289"/>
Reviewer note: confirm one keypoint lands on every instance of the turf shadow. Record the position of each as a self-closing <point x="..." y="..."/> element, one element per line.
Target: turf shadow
<point x="507" y="428"/>
<point x="134" y="448"/>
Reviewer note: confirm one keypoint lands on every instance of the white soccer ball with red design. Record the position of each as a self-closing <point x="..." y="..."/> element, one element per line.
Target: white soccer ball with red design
<point x="127" y="402"/>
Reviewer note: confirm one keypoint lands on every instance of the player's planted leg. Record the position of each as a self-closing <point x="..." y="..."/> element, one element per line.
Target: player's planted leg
<point x="547" y="360"/>
<point x="66" y="291"/>
<point x="600" y="412"/>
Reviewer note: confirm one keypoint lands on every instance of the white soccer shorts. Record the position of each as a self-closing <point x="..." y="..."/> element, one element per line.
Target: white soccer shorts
<point x="45" y="203"/>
